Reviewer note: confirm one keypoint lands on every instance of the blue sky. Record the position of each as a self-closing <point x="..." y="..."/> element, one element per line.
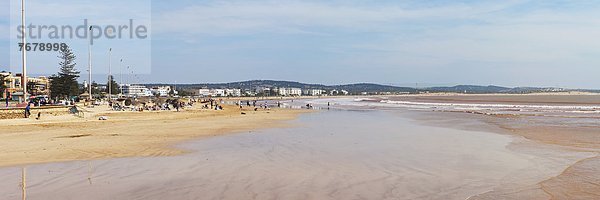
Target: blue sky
<point x="509" y="43"/>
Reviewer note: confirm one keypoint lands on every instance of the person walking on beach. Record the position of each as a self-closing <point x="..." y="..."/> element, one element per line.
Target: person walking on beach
<point x="28" y="110"/>
<point x="7" y="99"/>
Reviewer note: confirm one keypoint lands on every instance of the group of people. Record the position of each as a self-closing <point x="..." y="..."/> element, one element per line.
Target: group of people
<point x="217" y="104"/>
<point x="170" y="104"/>
<point x="310" y="106"/>
<point x="264" y="105"/>
<point x="214" y="104"/>
<point x="180" y="104"/>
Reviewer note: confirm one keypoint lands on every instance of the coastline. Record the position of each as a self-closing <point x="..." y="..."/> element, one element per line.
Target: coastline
<point x="125" y="134"/>
<point x="566" y="158"/>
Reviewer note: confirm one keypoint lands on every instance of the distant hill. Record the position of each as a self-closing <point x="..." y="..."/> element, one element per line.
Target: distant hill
<point x="368" y="87"/>
<point x="371" y="88"/>
<point x="470" y="89"/>
<point x="475" y="89"/>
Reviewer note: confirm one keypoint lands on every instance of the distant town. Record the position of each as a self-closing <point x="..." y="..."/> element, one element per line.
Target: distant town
<point x="41" y="86"/>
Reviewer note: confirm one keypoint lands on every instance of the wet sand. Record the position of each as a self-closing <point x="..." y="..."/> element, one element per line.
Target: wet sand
<point x="581" y="180"/>
<point x="125" y="134"/>
<point x="329" y="155"/>
<point x="356" y="150"/>
<point x="577" y="180"/>
<point x="568" y="122"/>
<point x="546" y="99"/>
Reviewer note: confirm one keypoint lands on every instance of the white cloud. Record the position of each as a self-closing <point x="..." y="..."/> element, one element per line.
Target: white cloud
<point x="74" y="12"/>
<point x="452" y="32"/>
<point x="504" y="38"/>
<point x="232" y="18"/>
<point x="511" y="42"/>
<point x="391" y="39"/>
<point x="70" y="10"/>
<point x="536" y="36"/>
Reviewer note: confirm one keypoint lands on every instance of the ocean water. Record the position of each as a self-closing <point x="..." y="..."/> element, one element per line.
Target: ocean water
<point x="332" y="154"/>
<point x="572" y="111"/>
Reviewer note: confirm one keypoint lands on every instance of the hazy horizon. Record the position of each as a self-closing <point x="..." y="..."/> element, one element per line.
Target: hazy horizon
<point x="102" y="80"/>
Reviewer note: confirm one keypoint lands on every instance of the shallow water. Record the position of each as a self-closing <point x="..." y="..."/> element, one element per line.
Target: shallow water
<point x="329" y="155"/>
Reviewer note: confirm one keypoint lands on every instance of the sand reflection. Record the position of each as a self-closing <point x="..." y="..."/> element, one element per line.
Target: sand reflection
<point x="331" y="155"/>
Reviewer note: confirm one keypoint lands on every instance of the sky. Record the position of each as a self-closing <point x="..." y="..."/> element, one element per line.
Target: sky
<point x="406" y="43"/>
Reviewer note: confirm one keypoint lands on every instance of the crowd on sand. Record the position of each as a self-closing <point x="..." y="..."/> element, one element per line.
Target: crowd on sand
<point x="264" y="105"/>
<point x="168" y="105"/>
<point x="171" y="104"/>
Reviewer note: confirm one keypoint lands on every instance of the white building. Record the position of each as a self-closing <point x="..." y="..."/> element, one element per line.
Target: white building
<point x="135" y="90"/>
<point x="162" y="91"/>
<point x="338" y="92"/>
<point x="262" y="90"/>
<point x="220" y="92"/>
<point x="314" y="92"/>
<point x="290" y="91"/>
<point x="233" y="92"/>
<point x="204" y="92"/>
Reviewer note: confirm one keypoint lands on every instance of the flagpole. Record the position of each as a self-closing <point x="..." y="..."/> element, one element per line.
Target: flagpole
<point x="90" y="64"/>
<point x="109" y="75"/>
<point x="24" y="53"/>
<point x="121" y="70"/>
<point x="128" y="77"/>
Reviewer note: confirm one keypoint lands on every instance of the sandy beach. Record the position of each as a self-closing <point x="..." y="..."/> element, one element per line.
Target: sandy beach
<point x="378" y="147"/>
<point x="125" y="134"/>
<point x="299" y="100"/>
<point x="334" y="154"/>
